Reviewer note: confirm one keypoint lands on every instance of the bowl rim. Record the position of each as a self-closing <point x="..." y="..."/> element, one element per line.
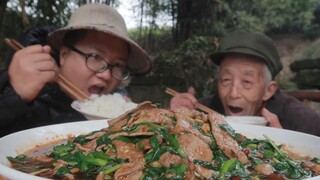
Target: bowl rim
<point x="75" y="105"/>
<point x="255" y="120"/>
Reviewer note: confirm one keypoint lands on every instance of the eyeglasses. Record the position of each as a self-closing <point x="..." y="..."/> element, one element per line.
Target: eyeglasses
<point x="98" y="64"/>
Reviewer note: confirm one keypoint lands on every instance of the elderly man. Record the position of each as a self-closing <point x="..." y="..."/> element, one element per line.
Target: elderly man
<point x="248" y="63"/>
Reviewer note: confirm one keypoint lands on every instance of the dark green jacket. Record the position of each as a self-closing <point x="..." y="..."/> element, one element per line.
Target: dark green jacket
<point x="292" y="113"/>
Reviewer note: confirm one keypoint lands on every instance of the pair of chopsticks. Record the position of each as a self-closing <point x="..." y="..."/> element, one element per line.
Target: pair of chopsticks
<point x="74" y="92"/>
<point x="199" y="105"/>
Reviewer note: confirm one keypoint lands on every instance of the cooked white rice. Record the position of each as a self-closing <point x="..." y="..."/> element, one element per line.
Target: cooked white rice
<point x="109" y="106"/>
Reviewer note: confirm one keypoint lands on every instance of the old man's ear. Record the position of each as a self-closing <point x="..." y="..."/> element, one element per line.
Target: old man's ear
<point x="270" y="90"/>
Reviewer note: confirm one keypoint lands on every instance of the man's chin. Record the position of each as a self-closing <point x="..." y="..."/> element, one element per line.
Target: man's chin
<point x="235" y="114"/>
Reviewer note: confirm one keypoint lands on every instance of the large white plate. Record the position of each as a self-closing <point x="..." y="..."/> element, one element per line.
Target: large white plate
<point x="19" y="142"/>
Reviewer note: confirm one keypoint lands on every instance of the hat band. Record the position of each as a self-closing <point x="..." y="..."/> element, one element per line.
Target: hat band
<point x="256" y="53"/>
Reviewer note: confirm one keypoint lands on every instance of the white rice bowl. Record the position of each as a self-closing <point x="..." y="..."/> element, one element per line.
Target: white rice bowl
<point x="253" y="120"/>
<point x="103" y="106"/>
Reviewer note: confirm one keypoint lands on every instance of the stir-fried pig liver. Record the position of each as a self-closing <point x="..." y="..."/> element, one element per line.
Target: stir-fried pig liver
<point x="225" y="142"/>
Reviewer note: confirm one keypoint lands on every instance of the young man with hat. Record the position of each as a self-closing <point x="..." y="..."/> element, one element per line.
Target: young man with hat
<point x="248" y="63"/>
<point x="95" y="55"/>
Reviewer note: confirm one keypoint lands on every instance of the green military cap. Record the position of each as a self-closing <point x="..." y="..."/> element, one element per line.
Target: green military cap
<point x="252" y="43"/>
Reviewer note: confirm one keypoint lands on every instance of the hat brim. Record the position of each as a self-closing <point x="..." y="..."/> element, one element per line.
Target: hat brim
<point x="139" y="62"/>
<point x="218" y="56"/>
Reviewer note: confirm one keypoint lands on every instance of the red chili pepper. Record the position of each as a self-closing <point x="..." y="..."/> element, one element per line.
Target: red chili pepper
<point x="246" y="151"/>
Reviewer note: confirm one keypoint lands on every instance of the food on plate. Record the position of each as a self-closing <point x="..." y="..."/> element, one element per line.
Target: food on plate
<point x="153" y="143"/>
<point x="110" y="106"/>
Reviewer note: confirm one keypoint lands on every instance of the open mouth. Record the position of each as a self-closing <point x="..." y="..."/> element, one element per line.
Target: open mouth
<point x="96" y="89"/>
<point x="235" y="110"/>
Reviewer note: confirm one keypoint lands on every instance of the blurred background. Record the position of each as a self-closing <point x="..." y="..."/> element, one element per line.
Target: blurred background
<point x="181" y="34"/>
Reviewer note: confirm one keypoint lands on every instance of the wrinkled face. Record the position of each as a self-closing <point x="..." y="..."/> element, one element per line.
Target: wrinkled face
<point x="241" y="85"/>
<point x="73" y="64"/>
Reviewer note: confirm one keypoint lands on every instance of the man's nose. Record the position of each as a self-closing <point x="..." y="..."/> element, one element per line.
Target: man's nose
<point x="234" y="91"/>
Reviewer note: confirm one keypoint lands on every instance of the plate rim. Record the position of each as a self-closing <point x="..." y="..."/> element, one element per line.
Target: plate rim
<point x="96" y="124"/>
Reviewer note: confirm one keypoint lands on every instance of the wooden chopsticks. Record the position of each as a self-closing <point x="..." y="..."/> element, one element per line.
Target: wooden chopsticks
<point x="74" y="92"/>
<point x="199" y="105"/>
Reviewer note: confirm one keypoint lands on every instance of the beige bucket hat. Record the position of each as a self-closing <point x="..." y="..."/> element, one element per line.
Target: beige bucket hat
<point x="101" y="17"/>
